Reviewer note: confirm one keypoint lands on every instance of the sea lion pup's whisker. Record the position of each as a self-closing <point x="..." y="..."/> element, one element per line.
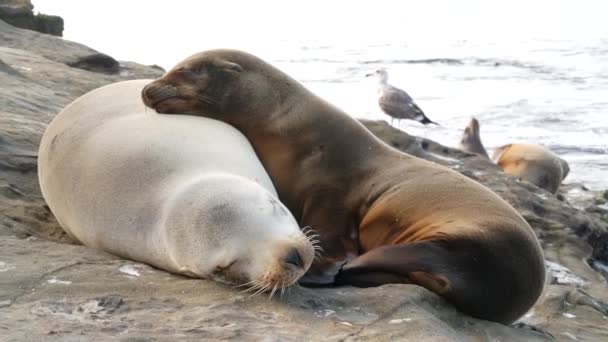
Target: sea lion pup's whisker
<point x="261" y="290"/>
<point x="314" y="242"/>
<point x="311" y="238"/>
<point x="244" y="284"/>
<point x="249" y="289"/>
<point x="282" y="288"/>
<point x="308" y="230"/>
<point x="253" y="289"/>
<point x="273" y="291"/>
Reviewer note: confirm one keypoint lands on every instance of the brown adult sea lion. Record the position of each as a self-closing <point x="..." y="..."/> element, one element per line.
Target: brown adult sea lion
<point x="390" y="216"/>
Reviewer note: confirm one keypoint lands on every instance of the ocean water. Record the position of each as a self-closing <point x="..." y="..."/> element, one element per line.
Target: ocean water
<point x="532" y="72"/>
<point x="550" y="92"/>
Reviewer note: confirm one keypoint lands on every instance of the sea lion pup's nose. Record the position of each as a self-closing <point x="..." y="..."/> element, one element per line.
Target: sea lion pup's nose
<point x="294" y="258"/>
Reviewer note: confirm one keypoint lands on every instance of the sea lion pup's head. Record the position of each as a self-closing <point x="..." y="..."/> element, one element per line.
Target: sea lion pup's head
<point x="223" y="84"/>
<point x="243" y="234"/>
<point x="471" y="140"/>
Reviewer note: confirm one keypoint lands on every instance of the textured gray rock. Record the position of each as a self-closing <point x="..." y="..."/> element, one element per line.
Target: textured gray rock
<point x="74" y="293"/>
<point x="19" y="13"/>
<point x="97" y="62"/>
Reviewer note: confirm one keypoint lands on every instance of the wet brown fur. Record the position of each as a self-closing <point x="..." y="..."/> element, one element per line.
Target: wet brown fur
<point x="391" y="216"/>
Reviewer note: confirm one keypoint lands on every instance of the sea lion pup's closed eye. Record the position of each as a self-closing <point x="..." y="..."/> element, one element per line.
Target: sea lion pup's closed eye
<point x="382" y="216"/>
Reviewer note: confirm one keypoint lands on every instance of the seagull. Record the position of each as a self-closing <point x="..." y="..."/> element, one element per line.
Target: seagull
<point x="396" y="102"/>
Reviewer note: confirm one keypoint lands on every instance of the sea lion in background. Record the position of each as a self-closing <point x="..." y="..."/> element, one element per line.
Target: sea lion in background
<point x="471" y="141"/>
<point x="396" y="103"/>
<point x="391" y="217"/>
<point x="184" y="194"/>
<point x="533" y="163"/>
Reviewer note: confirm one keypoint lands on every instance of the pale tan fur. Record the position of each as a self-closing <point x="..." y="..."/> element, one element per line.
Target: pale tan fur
<point x="533" y="163"/>
<point x="184" y="194"/>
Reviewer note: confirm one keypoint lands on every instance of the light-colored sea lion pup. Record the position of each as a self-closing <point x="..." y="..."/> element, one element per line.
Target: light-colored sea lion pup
<point x="471" y="141"/>
<point x="177" y="192"/>
<point x="533" y="163"/>
<point x="392" y="217"/>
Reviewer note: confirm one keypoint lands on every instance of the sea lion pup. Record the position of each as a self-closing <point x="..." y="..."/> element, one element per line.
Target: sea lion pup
<point x="410" y="220"/>
<point x="183" y="194"/>
<point x="471" y="141"/>
<point x="533" y="163"/>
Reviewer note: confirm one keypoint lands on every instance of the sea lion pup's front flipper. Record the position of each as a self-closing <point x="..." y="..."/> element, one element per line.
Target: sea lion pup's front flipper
<point x="465" y="272"/>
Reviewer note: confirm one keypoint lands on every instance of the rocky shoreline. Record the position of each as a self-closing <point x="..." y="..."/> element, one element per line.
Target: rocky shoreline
<point x="71" y="292"/>
<point x="20" y="13"/>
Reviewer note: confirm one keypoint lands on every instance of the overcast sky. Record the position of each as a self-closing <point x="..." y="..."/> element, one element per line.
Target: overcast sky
<point x="162" y="32"/>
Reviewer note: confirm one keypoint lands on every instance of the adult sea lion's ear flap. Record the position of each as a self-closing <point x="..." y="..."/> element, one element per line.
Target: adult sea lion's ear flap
<point x="228" y="66"/>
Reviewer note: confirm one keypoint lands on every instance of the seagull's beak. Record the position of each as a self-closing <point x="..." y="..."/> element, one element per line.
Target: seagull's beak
<point x="369" y="75"/>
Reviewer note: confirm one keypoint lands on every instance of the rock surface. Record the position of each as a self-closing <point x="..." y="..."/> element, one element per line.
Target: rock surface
<point x="19" y="13"/>
<point x="74" y="293"/>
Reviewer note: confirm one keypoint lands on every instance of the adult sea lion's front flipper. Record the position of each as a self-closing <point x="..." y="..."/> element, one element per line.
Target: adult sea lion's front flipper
<point x="419" y="263"/>
<point x="325" y="275"/>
